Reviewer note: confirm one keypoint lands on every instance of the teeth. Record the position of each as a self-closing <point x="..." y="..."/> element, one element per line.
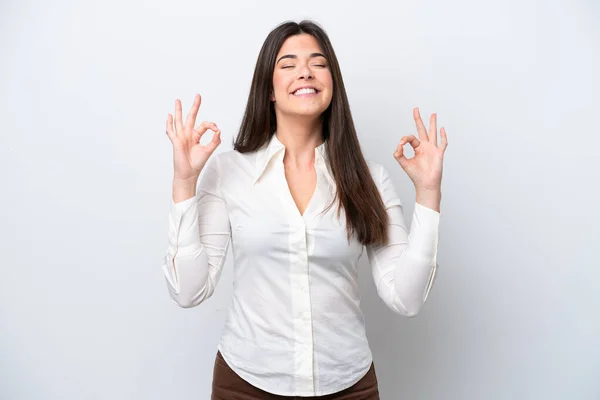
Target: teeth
<point x="304" y="91"/>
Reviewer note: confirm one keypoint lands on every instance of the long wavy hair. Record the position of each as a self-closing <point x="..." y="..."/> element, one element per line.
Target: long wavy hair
<point x="356" y="191"/>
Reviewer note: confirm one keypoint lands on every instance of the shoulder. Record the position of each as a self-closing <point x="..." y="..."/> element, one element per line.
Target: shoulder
<point x="231" y="157"/>
<point x="233" y="167"/>
<point x="384" y="184"/>
<point x="224" y="155"/>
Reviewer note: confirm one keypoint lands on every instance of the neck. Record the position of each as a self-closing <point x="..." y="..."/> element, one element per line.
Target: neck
<point x="300" y="138"/>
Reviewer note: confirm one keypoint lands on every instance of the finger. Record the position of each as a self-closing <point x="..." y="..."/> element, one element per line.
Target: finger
<point x="403" y="141"/>
<point x="178" y="121"/>
<point x="215" y="142"/>
<point x="204" y="126"/>
<point x="170" y="131"/>
<point x="412" y="140"/>
<point x="399" y="156"/>
<point x="433" y="128"/>
<point x="420" y="126"/>
<point x="444" y="141"/>
<point x="190" y="120"/>
<point x="399" y="153"/>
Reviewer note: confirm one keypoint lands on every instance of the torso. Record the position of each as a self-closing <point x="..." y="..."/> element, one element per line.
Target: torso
<point x="295" y="279"/>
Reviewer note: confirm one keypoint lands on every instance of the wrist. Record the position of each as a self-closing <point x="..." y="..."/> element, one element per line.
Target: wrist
<point x="430" y="198"/>
<point x="183" y="189"/>
<point x="185" y="182"/>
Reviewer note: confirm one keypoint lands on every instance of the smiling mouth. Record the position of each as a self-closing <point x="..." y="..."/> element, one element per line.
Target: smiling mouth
<point x="304" y="91"/>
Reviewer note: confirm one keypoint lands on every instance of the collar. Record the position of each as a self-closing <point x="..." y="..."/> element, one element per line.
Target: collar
<point x="275" y="148"/>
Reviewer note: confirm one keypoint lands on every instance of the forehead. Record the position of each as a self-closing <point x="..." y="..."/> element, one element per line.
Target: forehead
<point x="299" y="44"/>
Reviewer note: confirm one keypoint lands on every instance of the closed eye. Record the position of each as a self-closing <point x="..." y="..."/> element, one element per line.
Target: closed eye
<point x="292" y="66"/>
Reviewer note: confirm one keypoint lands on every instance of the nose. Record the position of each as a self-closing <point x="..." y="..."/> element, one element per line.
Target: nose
<point x="305" y="73"/>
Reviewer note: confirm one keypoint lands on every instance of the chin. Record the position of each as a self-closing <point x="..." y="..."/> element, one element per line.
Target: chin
<point x="308" y="113"/>
<point x="314" y="111"/>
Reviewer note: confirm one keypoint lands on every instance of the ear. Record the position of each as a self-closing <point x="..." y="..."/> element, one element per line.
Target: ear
<point x="272" y="96"/>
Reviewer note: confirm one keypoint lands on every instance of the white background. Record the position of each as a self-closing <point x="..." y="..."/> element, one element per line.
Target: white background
<point x="86" y="168"/>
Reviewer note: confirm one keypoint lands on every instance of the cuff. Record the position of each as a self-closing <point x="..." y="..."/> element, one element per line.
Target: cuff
<point x="182" y="206"/>
<point x="424" y="233"/>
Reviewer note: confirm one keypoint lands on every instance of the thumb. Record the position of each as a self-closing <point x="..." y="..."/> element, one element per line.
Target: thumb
<point x="399" y="156"/>
<point x="215" y="142"/>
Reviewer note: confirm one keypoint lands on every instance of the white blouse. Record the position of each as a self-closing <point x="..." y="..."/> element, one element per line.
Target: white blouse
<point x="294" y="327"/>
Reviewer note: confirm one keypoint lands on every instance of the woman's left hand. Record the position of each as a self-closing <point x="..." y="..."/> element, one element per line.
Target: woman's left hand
<point x="425" y="168"/>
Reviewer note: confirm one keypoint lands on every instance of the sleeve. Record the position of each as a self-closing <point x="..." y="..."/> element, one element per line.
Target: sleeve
<point x="199" y="235"/>
<point x="405" y="268"/>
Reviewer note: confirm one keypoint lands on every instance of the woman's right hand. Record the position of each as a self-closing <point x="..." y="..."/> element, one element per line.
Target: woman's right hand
<point x="189" y="156"/>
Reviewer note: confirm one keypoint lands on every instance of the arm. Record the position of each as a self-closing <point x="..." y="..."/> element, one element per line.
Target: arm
<point x="405" y="268"/>
<point x="199" y="235"/>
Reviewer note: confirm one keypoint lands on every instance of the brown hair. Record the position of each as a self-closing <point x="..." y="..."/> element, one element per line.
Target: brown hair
<point x="357" y="193"/>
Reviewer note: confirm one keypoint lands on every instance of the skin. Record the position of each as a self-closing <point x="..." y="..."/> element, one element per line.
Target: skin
<point x="299" y="64"/>
<point x="425" y="167"/>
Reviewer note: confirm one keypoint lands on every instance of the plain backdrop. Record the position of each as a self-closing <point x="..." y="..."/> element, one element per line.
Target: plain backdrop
<point x="86" y="168"/>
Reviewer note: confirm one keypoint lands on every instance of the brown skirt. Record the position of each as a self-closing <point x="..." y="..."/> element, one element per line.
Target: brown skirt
<point x="227" y="385"/>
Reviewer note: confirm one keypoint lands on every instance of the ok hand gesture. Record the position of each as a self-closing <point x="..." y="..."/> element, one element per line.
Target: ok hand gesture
<point x="189" y="156"/>
<point x="425" y="168"/>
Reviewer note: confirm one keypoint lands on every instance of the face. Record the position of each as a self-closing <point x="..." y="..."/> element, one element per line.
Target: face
<point x="302" y="83"/>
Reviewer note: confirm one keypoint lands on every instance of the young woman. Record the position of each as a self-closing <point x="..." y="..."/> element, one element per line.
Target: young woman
<point x="299" y="204"/>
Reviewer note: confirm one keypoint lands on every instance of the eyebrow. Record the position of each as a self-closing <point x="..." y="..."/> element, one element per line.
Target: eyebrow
<point x="295" y="56"/>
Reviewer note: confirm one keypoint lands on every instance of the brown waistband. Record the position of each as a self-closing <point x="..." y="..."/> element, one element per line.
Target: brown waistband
<point x="227" y="385"/>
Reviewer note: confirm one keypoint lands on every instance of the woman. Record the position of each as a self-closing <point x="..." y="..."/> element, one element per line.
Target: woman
<point x="299" y="204"/>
